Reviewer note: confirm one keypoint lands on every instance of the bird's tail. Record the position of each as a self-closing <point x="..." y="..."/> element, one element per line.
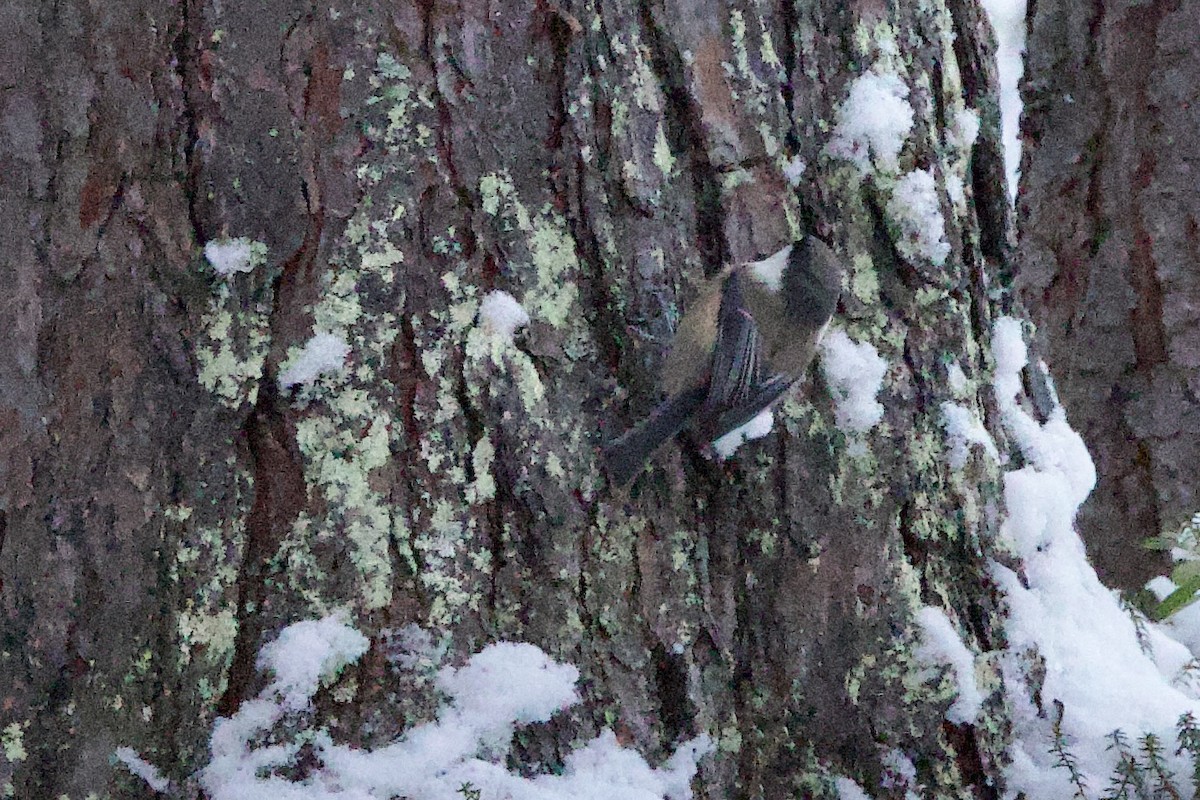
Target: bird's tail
<point x="624" y="457"/>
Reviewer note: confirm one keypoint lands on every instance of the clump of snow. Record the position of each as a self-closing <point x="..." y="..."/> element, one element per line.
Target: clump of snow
<point x="960" y="137"/>
<point x="899" y="773"/>
<point x="143" y="769"/>
<point x="535" y="686"/>
<point x="1011" y="355"/>
<point x="505" y="685"/>
<point x="322" y="354"/>
<point x="1094" y="662"/>
<point x="964" y="130"/>
<point x="501" y="315"/>
<point x="956" y="190"/>
<point x="1183" y="626"/>
<point x="756" y="428"/>
<point x="307" y="653"/>
<point x="854" y="374"/>
<point x="915" y="210"/>
<point x="873" y="122"/>
<point x="963" y="429"/>
<point x="794" y="169"/>
<point x="411" y="648"/>
<point x="941" y="646"/>
<point x="849" y="790"/>
<point x="956" y="379"/>
<point x="1008" y="21"/>
<point x="227" y="256"/>
<point x="234" y="765"/>
<point x="1161" y="587"/>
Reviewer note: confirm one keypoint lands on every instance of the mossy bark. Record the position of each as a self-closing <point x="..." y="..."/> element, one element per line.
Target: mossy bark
<point x="166" y="506"/>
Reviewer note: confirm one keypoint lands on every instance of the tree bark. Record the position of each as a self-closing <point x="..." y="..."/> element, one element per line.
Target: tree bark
<point x="1108" y="258"/>
<point x="167" y="506"/>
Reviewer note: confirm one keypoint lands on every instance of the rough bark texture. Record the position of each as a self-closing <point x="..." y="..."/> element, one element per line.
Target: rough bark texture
<point x="1109" y="251"/>
<point x="165" y="507"/>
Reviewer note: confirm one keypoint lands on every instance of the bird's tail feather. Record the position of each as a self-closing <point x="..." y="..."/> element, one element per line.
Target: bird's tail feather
<point x="624" y="457"/>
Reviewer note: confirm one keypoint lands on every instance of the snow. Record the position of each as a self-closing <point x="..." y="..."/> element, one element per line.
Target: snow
<point x="756" y="428"/>
<point x="501" y="315"/>
<point x="941" y="646"/>
<point x="963" y="429"/>
<point x="324" y="353"/>
<point x="1011" y="356"/>
<point x="1008" y="21"/>
<point x="964" y="130"/>
<point x="956" y="379"/>
<point x="899" y="773"/>
<point x="849" y="790"/>
<point x="1184" y="625"/>
<point x="916" y="211"/>
<point x="143" y="769"/>
<point x="794" y="169"/>
<point x="227" y="256"/>
<point x="1094" y="663"/>
<point x="509" y="666"/>
<point x="956" y="190"/>
<point x="504" y="686"/>
<point x="307" y="653"/>
<point x="873" y="122"/>
<point x="854" y="374"/>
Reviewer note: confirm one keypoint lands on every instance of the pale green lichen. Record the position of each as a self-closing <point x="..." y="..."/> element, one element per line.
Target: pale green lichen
<point x="346" y="436"/>
<point x="620" y="119"/>
<point x="492" y="188"/>
<point x="864" y="281"/>
<point x="233" y="347"/>
<point x="769" y="56"/>
<point x="482" y="457"/>
<point x="734" y="178"/>
<point x="766" y="131"/>
<point x="645" y="83"/>
<point x="729" y="740"/>
<point x="346" y="431"/>
<point x="390" y="82"/>
<point x="876" y="41"/>
<point x="13" y="740"/>
<point x="178" y="512"/>
<point x="759" y="97"/>
<point x="215" y="632"/>
<point x="663" y="158"/>
<point x="737" y="23"/>
<point x="204" y="567"/>
<point x="339" y="460"/>
<point x="554" y="298"/>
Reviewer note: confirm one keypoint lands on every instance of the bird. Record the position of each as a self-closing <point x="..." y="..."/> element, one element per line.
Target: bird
<point x="748" y="336"/>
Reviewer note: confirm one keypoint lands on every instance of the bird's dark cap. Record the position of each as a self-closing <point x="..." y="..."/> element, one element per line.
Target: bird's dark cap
<point x="812" y="281"/>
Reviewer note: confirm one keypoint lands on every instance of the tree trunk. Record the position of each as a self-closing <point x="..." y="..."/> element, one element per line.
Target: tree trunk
<point x="167" y="505"/>
<point x="1108" y="258"/>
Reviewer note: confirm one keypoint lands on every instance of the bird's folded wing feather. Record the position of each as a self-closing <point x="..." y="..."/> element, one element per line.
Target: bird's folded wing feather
<point x="737" y="355"/>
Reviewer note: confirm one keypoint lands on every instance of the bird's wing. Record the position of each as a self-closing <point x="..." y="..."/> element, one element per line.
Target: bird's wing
<point x="737" y="368"/>
<point x="764" y="395"/>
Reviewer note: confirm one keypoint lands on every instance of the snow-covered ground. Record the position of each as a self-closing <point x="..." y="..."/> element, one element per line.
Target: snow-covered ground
<point x="1103" y="671"/>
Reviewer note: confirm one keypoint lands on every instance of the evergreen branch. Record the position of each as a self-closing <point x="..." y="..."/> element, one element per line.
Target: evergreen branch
<point x="1152" y="753"/>
<point x="1189" y="742"/>
<point x="1063" y="757"/>
<point x="1128" y="781"/>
